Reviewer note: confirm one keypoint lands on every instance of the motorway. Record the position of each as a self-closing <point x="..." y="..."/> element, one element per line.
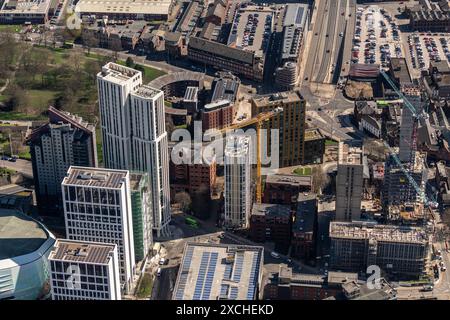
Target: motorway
<point x="326" y="42"/>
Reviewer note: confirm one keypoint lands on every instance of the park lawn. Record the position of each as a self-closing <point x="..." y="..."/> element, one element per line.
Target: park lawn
<point x="41" y="99"/>
<point x="3" y="98"/>
<point x="18" y="116"/>
<point x="303" y="171"/>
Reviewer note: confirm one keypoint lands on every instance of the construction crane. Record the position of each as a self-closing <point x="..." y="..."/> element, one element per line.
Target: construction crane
<point x="258" y="121"/>
<point x="416" y="114"/>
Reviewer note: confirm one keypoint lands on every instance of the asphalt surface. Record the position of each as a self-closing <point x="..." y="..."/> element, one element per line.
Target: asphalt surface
<point x="21" y="166"/>
<point x="325" y="46"/>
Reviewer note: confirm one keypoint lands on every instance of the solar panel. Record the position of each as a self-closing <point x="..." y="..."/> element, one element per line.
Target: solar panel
<point x="253" y="279"/>
<point x="234" y="293"/>
<point x="210" y="276"/>
<point x="201" y="275"/>
<point x="238" y="267"/>
<point x="299" y="17"/>
<point x="184" y="273"/>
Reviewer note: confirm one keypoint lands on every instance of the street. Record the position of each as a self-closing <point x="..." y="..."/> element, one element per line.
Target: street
<point x="20" y="165"/>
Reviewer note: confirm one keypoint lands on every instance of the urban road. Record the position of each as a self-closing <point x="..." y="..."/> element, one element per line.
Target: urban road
<point x="328" y="35"/>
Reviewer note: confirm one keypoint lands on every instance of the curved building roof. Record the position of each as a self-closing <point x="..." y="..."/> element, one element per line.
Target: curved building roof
<point x="19" y="234"/>
<point x="161" y="82"/>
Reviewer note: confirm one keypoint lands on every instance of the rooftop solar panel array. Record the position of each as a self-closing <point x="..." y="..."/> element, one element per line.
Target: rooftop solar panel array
<point x="253" y="279"/>
<point x="184" y="273"/>
<point x="238" y="266"/>
<point x="210" y="276"/>
<point x="234" y="293"/>
<point x="201" y="276"/>
<point x="299" y="16"/>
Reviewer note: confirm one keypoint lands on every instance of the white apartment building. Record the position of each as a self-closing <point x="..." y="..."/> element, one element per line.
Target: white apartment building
<point x="115" y="83"/>
<point x="84" y="271"/>
<point x="150" y="147"/>
<point x="133" y="126"/>
<point x="97" y="208"/>
<point x="238" y="168"/>
<point x="349" y="183"/>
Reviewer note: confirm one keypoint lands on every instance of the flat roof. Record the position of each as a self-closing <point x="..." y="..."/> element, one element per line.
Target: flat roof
<point x="277" y="98"/>
<point x="95" y="177"/>
<point x="135" y="180"/>
<point x="84" y="252"/>
<point x="25" y="7"/>
<point x="191" y="94"/>
<point x="400" y="70"/>
<point x="19" y="234"/>
<point x="146" y="92"/>
<point x="291" y="179"/>
<point x="378" y="232"/>
<point x="294" y="21"/>
<point x="252" y="21"/>
<point x="349" y="155"/>
<point x="150" y="7"/>
<point x="225" y="88"/>
<point x="269" y="209"/>
<point x="313" y="134"/>
<point x="117" y="73"/>
<point x="237" y="145"/>
<point x="210" y="272"/>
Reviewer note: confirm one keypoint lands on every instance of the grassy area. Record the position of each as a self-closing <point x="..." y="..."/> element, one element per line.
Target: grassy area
<point x="148" y="73"/>
<point x="41" y="99"/>
<point x="18" y="116"/>
<point x="145" y="287"/>
<point x="303" y="171"/>
<point x="168" y="103"/>
<point x="182" y="126"/>
<point x="25" y="154"/>
<point x="330" y="142"/>
<point x="10" y="28"/>
<point x="6" y="171"/>
<point x="98" y="138"/>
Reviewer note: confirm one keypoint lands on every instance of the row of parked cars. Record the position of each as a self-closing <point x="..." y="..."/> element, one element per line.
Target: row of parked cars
<point x="58" y="9"/>
<point x="371" y="41"/>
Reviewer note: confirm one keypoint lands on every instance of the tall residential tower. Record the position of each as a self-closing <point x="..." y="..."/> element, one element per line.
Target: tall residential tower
<point x="64" y="141"/>
<point x="238" y="196"/>
<point x="134" y="133"/>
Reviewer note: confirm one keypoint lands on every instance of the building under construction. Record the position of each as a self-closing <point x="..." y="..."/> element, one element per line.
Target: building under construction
<point x="408" y="214"/>
<point x="397" y="186"/>
<point x="397" y="250"/>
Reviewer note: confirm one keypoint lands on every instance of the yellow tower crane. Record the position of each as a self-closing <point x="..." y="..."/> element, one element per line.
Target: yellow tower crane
<point x="258" y="120"/>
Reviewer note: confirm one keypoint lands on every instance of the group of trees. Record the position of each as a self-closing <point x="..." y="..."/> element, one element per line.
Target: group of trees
<point x="199" y="204"/>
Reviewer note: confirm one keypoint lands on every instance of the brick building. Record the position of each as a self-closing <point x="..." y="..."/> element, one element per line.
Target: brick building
<point x="304" y="228"/>
<point x="284" y="188"/>
<point x="271" y="222"/>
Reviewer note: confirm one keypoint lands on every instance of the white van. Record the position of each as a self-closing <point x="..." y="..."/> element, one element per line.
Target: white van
<point x="275" y="255"/>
